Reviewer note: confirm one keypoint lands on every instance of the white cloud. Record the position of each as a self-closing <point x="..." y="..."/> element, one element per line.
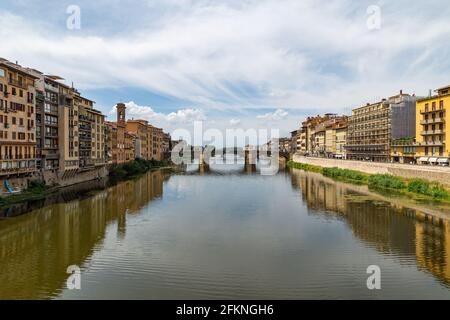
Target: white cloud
<point x="183" y="116"/>
<point x="235" y="122"/>
<point x="278" y="115"/>
<point x="230" y="55"/>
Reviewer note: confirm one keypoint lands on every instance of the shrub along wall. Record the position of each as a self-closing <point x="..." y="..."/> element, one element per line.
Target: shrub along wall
<point x="381" y="181"/>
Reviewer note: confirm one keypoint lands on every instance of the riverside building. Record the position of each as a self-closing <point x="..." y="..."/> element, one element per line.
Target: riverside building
<point x="372" y="127"/>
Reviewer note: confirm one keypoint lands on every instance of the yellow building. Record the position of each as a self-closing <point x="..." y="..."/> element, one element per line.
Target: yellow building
<point x="432" y="131"/>
<point x="17" y="120"/>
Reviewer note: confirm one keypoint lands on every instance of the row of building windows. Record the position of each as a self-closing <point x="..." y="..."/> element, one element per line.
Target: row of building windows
<point x="4" y="119"/>
<point x="17" y="135"/>
<point x="13" y="153"/>
<point x="4" y="89"/>
<point x="433" y="106"/>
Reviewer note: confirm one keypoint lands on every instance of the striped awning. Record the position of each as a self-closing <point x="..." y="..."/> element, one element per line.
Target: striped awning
<point x="433" y="160"/>
<point x="443" y="160"/>
<point x="423" y="159"/>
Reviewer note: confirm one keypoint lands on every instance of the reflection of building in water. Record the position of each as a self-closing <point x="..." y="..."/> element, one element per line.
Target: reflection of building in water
<point x="318" y="194"/>
<point x="37" y="248"/>
<point x="432" y="247"/>
<point x="388" y="229"/>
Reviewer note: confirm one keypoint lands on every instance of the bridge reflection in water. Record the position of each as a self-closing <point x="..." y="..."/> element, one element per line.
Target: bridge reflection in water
<point x="391" y="229"/>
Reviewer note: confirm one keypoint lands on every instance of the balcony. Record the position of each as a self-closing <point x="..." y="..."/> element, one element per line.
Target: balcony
<point x="437" y="109"/>
<point x="431" y="132"/>
<point x="51" y="88"/>
<point x="40" y="97"/>
<point x="17" y="166"/>
<point x="17" y="83"/>
<point x="432" y="121"/>
<point x="431" y="143"/>
<point x="51" y="124"/>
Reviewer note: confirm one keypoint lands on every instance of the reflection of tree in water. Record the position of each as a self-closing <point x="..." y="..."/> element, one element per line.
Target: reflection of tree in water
<point x="381" y="225"/>
<point x="37" y="248"/>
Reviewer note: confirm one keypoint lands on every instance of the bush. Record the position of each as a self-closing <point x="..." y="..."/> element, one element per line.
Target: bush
<point x="439" y="193"/>
<point x="36" y="186"/>
<point x="343" y="173"/>
<point x="386" y="181"/>
<point x="419" y="186"/>
<point x="134" y="168"/>
<point x="424" y="187"/>
<point x="304" y="167"/>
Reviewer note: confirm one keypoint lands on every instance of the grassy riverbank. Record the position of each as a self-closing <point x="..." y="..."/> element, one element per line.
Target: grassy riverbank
<point x="36" y="191"/>
<point x="415" y="188"/>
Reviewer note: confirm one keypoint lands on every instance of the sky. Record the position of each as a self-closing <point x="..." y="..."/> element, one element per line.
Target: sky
<point x="236" y="63"/>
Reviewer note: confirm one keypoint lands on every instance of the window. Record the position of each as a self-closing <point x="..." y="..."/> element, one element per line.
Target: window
<point x="13" y="120"/>
<point x="2" y="73"/>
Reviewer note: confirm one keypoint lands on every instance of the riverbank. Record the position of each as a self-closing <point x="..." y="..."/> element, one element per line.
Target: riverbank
<point x="437" y="174"/>
<point x="37" y="190"/>
<point x="418" y="189"/>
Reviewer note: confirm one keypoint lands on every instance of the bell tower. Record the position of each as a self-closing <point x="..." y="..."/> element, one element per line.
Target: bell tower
<point x="121" y="114"/>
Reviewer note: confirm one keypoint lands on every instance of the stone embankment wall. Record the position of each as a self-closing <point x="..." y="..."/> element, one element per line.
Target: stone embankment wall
<point x="431" y="173"/>
<point x="52" y="178"/>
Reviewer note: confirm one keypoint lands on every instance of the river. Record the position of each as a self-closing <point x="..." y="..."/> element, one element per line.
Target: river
<point x="226" y="234"/>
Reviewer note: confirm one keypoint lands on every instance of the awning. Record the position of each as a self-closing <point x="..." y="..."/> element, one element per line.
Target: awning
<point x="339" y="156"/>
<point x="423" y="159"/>
<point x="433" y="160"/>
<point x="443" y="160"/>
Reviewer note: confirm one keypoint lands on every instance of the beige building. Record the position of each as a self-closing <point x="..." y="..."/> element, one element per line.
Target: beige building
<point x="341" y="140"/>
<point x="68" y="130"/>
<point x="111" y="138"/>
<point x="156" y="143"/>
<point x="98" y="141"/>
<point x="140" y="128"/>
<point x="17" y="120"/>
<point x="129" y="147"/>
<point x="322" y="134"/>
<point x="121" y="129"/>
<point x="374" y="126"/>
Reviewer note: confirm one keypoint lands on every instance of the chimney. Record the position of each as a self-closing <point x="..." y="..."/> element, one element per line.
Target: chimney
<point x="401" y="92"/>
<point x="430" y="93"/>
